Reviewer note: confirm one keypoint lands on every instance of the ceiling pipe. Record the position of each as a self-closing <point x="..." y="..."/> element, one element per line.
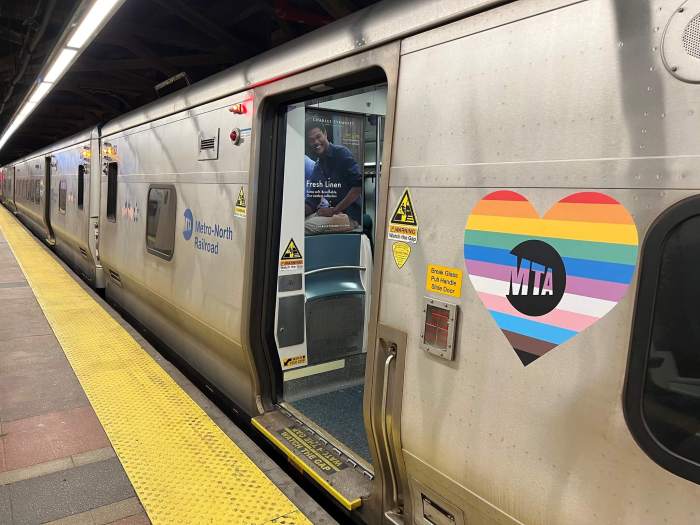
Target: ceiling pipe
<point x="28" y="54"/>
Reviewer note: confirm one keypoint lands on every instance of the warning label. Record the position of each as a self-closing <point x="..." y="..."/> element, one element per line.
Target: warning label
<point x="401" y="251"/>
<point x="404" y="224"/>
<point x="293" y="362"/>
<point x="307" y="445"/>
<point x="240" y="209"/>
<point x="291" y="258"/>
<point x="444" y="280"/>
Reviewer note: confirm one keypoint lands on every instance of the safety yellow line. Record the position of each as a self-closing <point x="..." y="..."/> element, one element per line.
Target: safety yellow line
<point x="182" y="466"/>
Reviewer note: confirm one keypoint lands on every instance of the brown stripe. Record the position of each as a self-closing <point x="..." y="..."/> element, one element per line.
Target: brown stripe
<point x="528" y="344"/>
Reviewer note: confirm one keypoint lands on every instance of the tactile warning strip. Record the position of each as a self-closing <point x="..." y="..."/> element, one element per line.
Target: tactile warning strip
<point x="182" y="466"/>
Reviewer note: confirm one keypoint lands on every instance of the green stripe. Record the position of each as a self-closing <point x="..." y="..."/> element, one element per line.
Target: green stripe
<point x="598" y="251"/>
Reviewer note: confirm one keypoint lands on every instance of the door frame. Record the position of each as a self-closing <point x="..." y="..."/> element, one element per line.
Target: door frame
<point x="265" y="204"/>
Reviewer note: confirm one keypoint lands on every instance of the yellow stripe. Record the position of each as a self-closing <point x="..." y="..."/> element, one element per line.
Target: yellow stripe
<point x="576" y="230"/>
<point x="183" y="467"/>
<point x="345" y="502"/>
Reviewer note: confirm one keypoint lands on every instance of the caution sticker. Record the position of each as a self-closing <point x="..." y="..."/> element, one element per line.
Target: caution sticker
<point x="401" y="251"/>
<point x="444" y="280"/>
<point x="404" y="224"/>
<point x="293" y="362"/>
<point x="291" y="258"/>
<point x="240" y="209"/>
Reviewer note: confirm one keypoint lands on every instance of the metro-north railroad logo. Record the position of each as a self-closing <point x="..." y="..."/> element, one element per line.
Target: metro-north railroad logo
<point x="189" y="225"/>
<point x="546" y="279"/>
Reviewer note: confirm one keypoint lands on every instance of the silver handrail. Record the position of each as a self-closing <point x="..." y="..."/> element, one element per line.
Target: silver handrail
<point x="385" y="431"/>
<point x="329" y="268"/>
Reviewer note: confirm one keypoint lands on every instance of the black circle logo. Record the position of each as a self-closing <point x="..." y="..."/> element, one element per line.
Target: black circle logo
<point x="538" y="280"/>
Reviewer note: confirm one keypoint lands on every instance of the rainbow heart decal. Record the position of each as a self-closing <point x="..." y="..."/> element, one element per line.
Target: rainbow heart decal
<point x="545" y="279"/>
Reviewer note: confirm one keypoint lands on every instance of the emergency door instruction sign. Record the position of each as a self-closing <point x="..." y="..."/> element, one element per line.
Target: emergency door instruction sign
<point x="403" y="225"/>
<point x="444" y="280"/>
<point x="291" y="258"/>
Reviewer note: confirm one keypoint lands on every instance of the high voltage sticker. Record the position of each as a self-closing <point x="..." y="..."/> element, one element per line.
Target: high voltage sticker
<point x="291" y="258"/>
<point x="240" y="208"/>
<point x="404" y="224"/>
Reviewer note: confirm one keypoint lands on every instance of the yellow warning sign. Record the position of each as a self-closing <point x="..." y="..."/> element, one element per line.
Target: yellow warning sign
<point x="444" y="280"/>
<point x="401" y="251"/>
<point x="292" y="362"/>
<point x="404" y="224"/>
<point x="291" y="258"/>
<point x="240" y="208"/>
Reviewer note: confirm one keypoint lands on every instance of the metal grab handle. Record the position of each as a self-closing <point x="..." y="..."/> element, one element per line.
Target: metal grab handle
<point x="329" y="268"/>
<point x="385" y="431"/>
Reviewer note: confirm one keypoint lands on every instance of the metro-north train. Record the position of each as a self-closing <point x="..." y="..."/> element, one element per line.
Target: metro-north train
<point x="442" y="254"/>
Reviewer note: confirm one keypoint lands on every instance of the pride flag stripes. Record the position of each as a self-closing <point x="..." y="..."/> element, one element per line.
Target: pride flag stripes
<point x="546" y="279"/>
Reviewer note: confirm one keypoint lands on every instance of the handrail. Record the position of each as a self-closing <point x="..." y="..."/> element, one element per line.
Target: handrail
<point x="385" y="431"/>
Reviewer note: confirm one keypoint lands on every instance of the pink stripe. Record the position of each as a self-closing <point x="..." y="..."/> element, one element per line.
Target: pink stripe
<point x="561" y="318"/>
<point x="598" y="289"/>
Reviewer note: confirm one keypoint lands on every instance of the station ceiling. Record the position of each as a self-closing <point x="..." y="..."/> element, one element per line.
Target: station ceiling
<point x="144" y="44"/>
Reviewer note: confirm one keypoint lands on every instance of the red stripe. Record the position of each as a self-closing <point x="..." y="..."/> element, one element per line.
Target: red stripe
<point x="504" y="195"/>
<point x="589" y="197"/>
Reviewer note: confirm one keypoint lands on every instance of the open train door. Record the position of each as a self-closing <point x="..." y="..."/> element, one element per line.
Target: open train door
<point x="332" y="387"/>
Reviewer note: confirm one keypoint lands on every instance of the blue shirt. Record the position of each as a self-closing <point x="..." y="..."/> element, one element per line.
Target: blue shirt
<point x="334" y="175"/>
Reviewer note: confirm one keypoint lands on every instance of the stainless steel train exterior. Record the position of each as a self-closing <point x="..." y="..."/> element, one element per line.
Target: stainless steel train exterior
<point x="540" y="99"/>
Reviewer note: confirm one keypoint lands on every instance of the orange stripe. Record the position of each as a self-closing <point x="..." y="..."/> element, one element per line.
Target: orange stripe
<point x="606" y="213"/>
<point x="506" y="209"/>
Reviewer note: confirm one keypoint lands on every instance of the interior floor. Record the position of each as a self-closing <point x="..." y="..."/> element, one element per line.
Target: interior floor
<point x="338" y="412"/>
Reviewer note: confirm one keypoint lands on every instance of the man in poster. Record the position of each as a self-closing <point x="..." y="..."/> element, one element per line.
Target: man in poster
<point x="334" y="188"/>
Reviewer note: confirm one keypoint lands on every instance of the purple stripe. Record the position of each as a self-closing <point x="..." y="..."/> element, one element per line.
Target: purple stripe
<point x="597" y="288"/>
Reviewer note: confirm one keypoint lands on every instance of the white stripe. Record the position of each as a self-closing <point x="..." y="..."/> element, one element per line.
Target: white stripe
<point x="570" y="302"/>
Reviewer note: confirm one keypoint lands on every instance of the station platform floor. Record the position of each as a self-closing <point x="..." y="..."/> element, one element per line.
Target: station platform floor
<point x="97" y="427"/>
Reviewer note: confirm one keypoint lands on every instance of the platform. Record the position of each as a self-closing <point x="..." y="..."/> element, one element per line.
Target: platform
<point x="97" y="427"/>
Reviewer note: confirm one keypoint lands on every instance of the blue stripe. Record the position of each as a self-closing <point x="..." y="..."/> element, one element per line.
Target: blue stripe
<point x="544" y="332"/>
<point x="603" y="271"/>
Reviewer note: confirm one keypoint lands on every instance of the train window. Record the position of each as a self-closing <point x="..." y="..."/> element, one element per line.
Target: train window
<point x="662" y="393"/>
<point x="112" y="171"/>
<point x="62" y="189"/>
<point x="160" y="221"/>
<point x="81" y="185"/>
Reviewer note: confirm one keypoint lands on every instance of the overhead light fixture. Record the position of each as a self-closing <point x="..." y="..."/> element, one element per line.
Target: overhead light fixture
<point x="40" y="92"/>
<point x="60" y="64"/>
<point x="73" y="41"/>
<point x="98" y="12"/>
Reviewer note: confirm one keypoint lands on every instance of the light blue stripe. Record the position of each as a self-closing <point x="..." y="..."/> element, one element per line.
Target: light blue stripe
<point x="545" y="332"/>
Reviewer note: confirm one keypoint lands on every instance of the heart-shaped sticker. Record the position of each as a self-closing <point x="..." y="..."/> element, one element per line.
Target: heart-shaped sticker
<point x="545" y="279"/>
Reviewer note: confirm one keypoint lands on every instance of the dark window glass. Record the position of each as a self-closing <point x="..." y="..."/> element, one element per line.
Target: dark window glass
<point x="37" y="191"/>
<point x="112" y="191"/>
<point x="160" y="221"/>
<point x="81" y="185"/>
<point x="662" y="396"/>
<point x="62" y="187"/>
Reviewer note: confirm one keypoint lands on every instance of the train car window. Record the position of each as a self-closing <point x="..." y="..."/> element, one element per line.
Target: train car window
<point x="81" y="185"/>
<point x="160" y="221"/>
<point x="62" y="190"/>
<point x="662" y="392"/>
<point x="112" y="171"/>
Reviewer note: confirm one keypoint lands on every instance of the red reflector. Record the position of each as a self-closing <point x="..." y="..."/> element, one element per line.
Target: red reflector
<point x="238" y="109"/>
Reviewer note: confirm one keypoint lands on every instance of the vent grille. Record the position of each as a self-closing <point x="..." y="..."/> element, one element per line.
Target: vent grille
<point x="691" y="37"/>
<point x="205" y="144"/>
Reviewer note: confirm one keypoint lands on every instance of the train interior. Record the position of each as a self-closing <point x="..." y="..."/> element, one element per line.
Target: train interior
<point x="329" y="217"/>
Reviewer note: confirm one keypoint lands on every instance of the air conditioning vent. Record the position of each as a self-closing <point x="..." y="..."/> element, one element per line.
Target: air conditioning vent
<point x="84" y="252"/>
<point x="208" y="146"/>
<point x="115" y="277"/>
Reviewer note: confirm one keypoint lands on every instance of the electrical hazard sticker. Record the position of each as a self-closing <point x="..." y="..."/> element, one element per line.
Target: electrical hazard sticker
<point x="291" y="258"/>
<point x="240" y="209"/>
<point x="404" y="224"/>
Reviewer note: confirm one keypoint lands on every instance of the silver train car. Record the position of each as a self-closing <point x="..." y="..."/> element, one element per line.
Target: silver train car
<point x="436" y="252"/>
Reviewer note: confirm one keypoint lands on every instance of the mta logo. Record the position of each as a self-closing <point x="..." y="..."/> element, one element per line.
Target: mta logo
<point x="189" y="224"/>
<point x="538" y="279"/>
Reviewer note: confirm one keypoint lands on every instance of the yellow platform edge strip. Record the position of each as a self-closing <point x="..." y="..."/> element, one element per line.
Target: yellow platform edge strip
<point x="345" y="502"/>
<point x="183" y="467"/>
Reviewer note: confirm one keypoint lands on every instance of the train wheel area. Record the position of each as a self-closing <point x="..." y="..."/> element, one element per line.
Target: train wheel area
<point x="96" y="427"/>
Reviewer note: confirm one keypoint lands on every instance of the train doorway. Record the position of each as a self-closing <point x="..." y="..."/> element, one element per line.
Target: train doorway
<point x="329" y="162"/>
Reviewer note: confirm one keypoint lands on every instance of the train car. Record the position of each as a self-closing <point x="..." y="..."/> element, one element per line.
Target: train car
<point x="56" y="198"/>
<point x="437" y="252"/>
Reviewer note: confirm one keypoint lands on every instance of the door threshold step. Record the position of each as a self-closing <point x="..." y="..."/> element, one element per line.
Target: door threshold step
<point x="342" y="477"/>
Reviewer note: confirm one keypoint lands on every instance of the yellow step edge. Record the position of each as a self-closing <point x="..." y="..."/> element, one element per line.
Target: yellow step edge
<point x="183" y="467"/>
<point x="345" y="502"/>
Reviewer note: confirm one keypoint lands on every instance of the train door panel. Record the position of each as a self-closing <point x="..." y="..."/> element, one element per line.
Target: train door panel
<point x="330" y="374"/>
